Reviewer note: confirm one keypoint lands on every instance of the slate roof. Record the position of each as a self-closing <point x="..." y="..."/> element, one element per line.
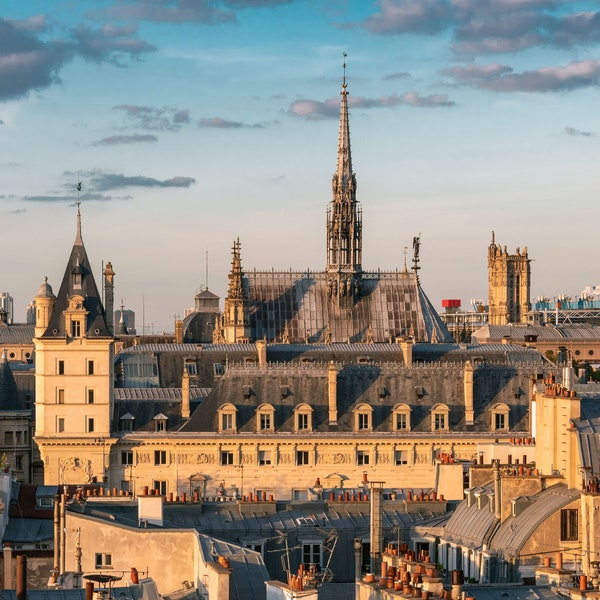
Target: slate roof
<point x="514" y="532"/>
<point x="19" y="333"/>
<point x="391" y="304"/>
<point x="10" y="398"/>
<point x="549" y="332"/>
<point x="96" y="319"/>
<point x="381" y="386"/>
<point x="588" y="430"/>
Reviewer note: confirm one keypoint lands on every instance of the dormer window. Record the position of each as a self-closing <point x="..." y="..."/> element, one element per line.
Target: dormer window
<point x="401" y="417"/>
<point x="160" y="423"/>
<point x="75" y="329"/>
<point x="440" y="414"/>
<point x="363" y="418"/>
<point x="265" y="417"/>
<point x="127" y="422"/>
<point x="303" y="418"/>
<point x="227" y="417"/>
<point x="77" y="276"/>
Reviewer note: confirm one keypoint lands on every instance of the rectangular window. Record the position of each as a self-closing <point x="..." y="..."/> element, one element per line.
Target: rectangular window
<point x="401" y="421"/>
<point x="60" y="424"/>
<point x="160" y="425"/>
<point x="302" y="421"/>
<point x="363" y="421"/>
<point x="90" y="367"/>
<point x="439" y="421"/>
<point x="226" y="421"/>
<point x="126" y="424"/>
<point x="75" y="329"/>
<point x="264" y="457"/>
<point x="60" y="396"/>
<point x="90" y="396"/>
<point x="90" y="424"/>
<point x="8" y="438"/>
<point x="19" y="463"/>
<point x="191" y="368"/>
<point x="103" y="560"/>
<point x="160" y="457"/>
<point x="226" y="457"/>
<point x="161" y="486"/>
<point x="568" y="525"/>
<point x="362" y="457"/>
<point x="302" y="457"/>
<point x="265" y="421"/>
<point x="499" y="420"/>
<point x="401" y="457"/>
<point x="311" y="556"/>
<point x="18" y="437"/>
<point x="60" y="367"/>
<point x="127" y="458"/>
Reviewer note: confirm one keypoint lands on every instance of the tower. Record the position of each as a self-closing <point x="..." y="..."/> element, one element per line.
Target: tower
<point x="344" y="221"/>
<point x="235" y="314"/>
<point x="509" y="277"/>
<point x="73" y="375"/>
<point x="109" y="294"/>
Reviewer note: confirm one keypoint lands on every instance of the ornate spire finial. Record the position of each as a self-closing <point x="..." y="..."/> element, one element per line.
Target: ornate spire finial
<point x="344" y="83"/>
<point x="78" y="238"/>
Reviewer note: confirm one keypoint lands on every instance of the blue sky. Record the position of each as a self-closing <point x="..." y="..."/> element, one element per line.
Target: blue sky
<point x="194" y="122"/>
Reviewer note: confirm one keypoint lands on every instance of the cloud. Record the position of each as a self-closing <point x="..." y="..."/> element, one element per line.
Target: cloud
<point x="410" y="16"/>
<point x="172" y="11"/>
<point x="156" y="119"/>
<point x="313" y="110"/>
<point x="578" y="132"/>
<point x="115" y="140"/>
<point x="1" y="122"/>
<point x="398" y="75"/>
<point x="488" y="26"/>
<point x="31" y="60"/>
<point x="500" y="78"/>
<point x="16" y="211"/>
<point x="220" y="123"/>
<point x="103" y="181"/>
<point x="108" y="43"/>
<point x="55" y="198"/>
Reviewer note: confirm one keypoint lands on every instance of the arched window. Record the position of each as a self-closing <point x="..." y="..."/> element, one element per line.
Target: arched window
<point x="227" y="418"/>
<point x="401" y="417"/>
<point x="363" y="418"/>
<point x="499" y="415"/>
<point x="303" y="418"/>
<point x="265" y="418"/>
<point x="440" y="417"/>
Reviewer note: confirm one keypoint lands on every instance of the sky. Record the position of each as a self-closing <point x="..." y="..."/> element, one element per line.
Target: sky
<point x="191" y="123"/>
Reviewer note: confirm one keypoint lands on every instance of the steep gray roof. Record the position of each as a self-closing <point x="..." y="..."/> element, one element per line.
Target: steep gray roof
<point x="297" y="303"/>
<point x="16" y="334"/>
<point x="95" y="325"/>
<point x="9" y="394"/>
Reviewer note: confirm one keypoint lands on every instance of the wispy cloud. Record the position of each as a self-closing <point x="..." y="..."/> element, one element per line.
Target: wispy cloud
<point x="578" y="132"/>
<point x="116" y="140"/>
<point x="104" y="181"/>
<point x="220" y="123"/>
<point x="501" y="78"/>
<point x="151" y="118"/>
<point x="330" y="108"/>
<point x="398" y="75"/>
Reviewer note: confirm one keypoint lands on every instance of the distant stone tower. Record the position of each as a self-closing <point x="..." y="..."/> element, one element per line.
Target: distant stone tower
<point x="236" y="327"/>
<point x="344" y="221"/>
<point x="509" y="277"/>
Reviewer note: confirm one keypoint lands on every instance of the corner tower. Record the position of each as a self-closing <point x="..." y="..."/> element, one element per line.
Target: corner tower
<point x="236" y="327"/>
<point x="74" y="378"/>
<point x="509" y="278"/>
<point x="344" y="221"/>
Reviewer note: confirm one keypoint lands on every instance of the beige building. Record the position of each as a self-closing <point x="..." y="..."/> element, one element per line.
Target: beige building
<point x="74" y="375"/>
<point x="509" y="277"/>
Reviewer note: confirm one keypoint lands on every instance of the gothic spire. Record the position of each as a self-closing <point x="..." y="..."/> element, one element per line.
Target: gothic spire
<point x="78" y="238"/>
<point x="344" y="217"/>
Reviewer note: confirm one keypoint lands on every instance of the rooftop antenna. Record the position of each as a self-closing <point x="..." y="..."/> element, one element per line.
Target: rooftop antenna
<point x="206" y="272"/>
<point x="78" y="239"/>
<point x="345" y="56"/>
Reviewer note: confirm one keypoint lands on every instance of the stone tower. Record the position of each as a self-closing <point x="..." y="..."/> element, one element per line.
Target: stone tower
<point x="344" y="221"/>
<point x="509" y="277"/>
<point x="73" y="376"/>
<point x="235" y="315"/>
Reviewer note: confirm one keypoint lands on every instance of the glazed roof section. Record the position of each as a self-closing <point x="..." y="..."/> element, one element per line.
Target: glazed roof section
<point x="296" y="304"/>
<point x="588" y="430"/>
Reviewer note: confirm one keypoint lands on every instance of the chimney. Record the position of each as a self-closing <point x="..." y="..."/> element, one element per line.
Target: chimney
<point x="406" y="345"/>
<point x="376" y="525"/>
<point x="261" y="349"/>
<point x="332" y="393"/>
<point x="468" y="391"/>
<point x="109" y="296"/>
<point x="178" y="332"/>
<point x="8" y="577"/>
<point x="497" y="490"/>
<point x="21" y="587"/>
<point x="185" y="394"/>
